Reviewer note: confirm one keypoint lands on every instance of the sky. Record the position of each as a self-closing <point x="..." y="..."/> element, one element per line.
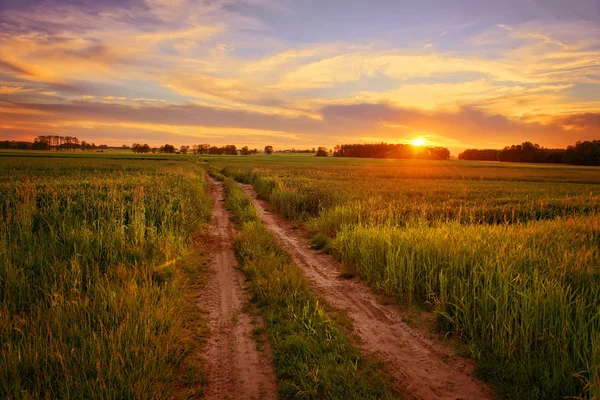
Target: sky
<point x="301" y="73"/>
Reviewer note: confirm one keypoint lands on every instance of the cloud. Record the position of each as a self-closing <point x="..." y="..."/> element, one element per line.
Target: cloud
<point x="340" y="123"/>
<point x="506" y="27"/>
<point x="174" y="115"/>
<point x="10" y="89"/>
<point x="466" y="125"/>
<point x="186" y="66"/>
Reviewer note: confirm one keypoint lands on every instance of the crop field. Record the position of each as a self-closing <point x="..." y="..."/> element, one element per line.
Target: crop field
<point x="97" y="252"/>
<point x="506" y="255"/>
<point x="91" y="289"/>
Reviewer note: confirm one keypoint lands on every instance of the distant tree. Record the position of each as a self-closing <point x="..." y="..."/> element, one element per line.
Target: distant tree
<point x="245" y="151"/>
<point x="69" y="140"/>
<point x="526" y="152"/>
<point x="230" y="149"/>
<point x="168" y="148"/>
<point x="439" y="153"/>
<point x="154" y="149"/>
<point x="385" y="150"/>
<point x="24" y="145"/>
<point x="254" y="151"/>
<point x="268" y="149"/>
<point x="41" y="143"/>
<point x="203" y="148"/>
<point x="583" y="153"/>
<point x="322" y="152"/>
<point x="479" y="154"/>
<point x="184" y="149"/>
<point x="140" y="148"/>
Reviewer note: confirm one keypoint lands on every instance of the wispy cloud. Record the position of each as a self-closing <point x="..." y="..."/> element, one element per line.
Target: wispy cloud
<point x="190" y="66"/>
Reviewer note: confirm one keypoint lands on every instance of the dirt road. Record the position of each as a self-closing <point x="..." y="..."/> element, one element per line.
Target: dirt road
<point x="236" y="368"/>
<point x="425" y="368"/>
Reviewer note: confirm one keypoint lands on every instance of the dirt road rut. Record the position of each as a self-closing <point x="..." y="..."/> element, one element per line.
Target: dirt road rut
<point x="426" y="369"/>
<point x="236" y="368"/>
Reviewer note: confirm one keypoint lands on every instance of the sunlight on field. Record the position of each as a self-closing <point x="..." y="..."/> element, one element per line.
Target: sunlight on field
<point x="506" y="255"/>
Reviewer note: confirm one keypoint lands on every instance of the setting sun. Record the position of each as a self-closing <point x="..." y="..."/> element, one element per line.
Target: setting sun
<point x="418" y="142"/>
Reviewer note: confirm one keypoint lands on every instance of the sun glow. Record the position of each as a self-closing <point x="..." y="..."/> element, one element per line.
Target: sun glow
<point x="418" y="142"/>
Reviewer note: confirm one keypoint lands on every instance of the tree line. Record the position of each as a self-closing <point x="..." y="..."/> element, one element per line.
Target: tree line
<point x="229" y="149"/>
<point x="145" y="148"/>
<point x="387" y="150"/>
<point x="72" y="143"/>
<point x="52" y="142"/>
<point x="582" y="153"/>
<point x="49" y="142"/>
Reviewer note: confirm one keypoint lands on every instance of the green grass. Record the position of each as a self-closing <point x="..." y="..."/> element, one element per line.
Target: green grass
<point x="91" y="285"/>
<point x="312" y="354"/>
<point x="506" y="255"/>
<point x="525" y="297"/>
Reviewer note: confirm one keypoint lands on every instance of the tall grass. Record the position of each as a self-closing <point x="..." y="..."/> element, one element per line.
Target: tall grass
<point x="526" y="297"/>
<point x="512" y="268"/>
<point x="90" y="288"/>
<point x="313" y="356"/>
<point x="334" y="198"/>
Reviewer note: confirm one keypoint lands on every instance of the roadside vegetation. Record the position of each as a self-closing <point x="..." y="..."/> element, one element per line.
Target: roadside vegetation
<point x="313" y="355"/>
<point x="93" y="260"/>
<point x="511" y="268"/>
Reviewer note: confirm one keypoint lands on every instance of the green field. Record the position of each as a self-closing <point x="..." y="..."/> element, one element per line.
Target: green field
<point x="505" y="254"/>
<point x="91" y="284"/>
<point x="93" y="249"/>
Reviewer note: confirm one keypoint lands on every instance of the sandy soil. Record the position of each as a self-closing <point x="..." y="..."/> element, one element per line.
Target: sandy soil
<point x="426" y="368"/>
<point x="236" y="368"/>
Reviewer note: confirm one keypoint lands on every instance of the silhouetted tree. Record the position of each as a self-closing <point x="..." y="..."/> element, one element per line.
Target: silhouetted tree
<point x="583" y="153"/>
<point x="245" y="151"/>
<point x="41" y="143"/>
<point x="439" y="153"/>
<point x="203" y="148"/>
<point x="528" y="152"/>
<point x="231" y="150"/>
<point x="167" y="148"/>
<point x="479" y="154"/>
<point x="385" y="150"/>
<point x="268" y="149"/>
<point x="322" y="152"/>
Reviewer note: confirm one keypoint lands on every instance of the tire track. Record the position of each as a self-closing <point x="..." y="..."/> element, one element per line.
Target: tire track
<point x="426" y="369"/>
<point x="236" y="368"/>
